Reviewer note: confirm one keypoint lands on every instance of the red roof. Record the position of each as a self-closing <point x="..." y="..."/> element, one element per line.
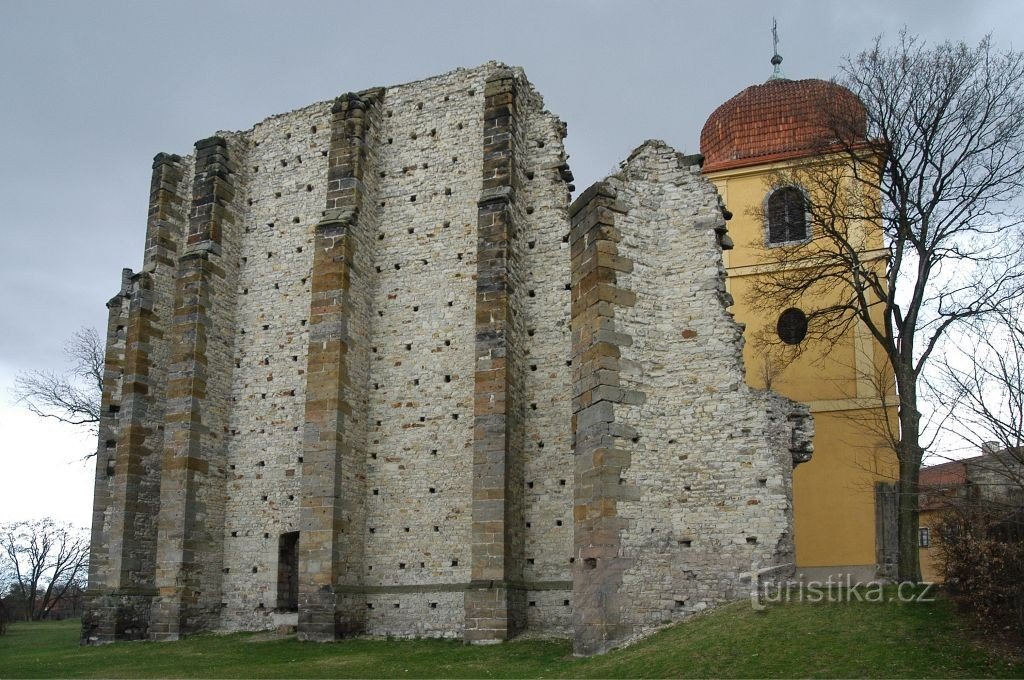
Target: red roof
<point x="939" y="483"/>
<point x="944" y="474"/>
<point x="777" y="120"/>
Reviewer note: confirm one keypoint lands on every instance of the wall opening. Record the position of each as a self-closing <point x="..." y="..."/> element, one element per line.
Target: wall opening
<point x="288" y="572"/>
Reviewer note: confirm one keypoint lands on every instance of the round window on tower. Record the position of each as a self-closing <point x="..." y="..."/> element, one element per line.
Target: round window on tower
<point x="792" y="326"/>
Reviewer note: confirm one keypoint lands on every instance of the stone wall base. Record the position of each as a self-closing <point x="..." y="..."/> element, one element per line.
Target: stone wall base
<point x="113" y="617"/>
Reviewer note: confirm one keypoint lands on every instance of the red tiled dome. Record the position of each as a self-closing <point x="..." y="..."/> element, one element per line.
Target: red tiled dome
<point x="777" y="120"/>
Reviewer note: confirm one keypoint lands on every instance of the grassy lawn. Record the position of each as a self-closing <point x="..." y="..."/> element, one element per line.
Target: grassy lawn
<point x="805" y="640"/>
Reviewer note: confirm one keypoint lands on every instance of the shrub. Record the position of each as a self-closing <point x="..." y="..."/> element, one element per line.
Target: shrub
<point x="982" y="546"/>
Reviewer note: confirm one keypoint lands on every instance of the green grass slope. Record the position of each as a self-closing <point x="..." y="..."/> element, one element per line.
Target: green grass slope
<point x="805" y="640"/>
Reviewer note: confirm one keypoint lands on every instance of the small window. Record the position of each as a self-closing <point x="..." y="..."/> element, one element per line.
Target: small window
<point x="792" y="326"/>
<point x="924" y="537"/>
<point x="787" y="216"/>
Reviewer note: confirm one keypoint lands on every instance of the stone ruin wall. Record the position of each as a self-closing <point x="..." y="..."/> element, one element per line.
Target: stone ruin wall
<point x="353" y="322"/>
<point x="224" y="297"/>
<point x="283" y="185"/>
<point x="683" y="472"/>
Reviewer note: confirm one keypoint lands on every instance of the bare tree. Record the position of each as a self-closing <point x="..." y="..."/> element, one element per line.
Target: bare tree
<point x="935" y="165"/>
<point x="43" y="561"/>
<point x="979" y="382"/>
<point x="71" y="397"/>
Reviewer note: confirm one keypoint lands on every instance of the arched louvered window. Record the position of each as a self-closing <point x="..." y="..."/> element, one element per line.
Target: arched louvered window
<point x="787" y="216"/>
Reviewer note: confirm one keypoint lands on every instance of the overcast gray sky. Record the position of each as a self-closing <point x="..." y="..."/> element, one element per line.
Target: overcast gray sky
<point x="91" y="91"/>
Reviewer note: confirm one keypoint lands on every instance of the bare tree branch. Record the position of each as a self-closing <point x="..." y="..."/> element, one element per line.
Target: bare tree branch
<point x="72" y="397"/>
<point x="980" y="383"/>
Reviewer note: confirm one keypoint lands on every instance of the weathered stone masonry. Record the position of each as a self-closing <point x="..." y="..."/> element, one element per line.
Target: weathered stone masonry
<point x="490" y="610"/>
<point x="131" y="432"/>
<point x="331" y="488"/>
<point x="372" y="378"/>
<point x="683" y="472"/>
<point x="190" y="540"/>
<point x="600" y="461"/>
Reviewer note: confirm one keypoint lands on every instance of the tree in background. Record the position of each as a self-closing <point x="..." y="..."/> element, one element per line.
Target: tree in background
<point x="42" y="562"/>
<point x="979" y="382"/>
<point x="72" y="397"/>
<point x="937" y="171"/>
<point x="3" y="609"/>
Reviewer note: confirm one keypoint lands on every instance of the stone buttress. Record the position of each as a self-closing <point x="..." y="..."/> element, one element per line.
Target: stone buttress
<point x="190" y="538"/>
<point x="333" y="469"/>
<point x="122" y="579"/>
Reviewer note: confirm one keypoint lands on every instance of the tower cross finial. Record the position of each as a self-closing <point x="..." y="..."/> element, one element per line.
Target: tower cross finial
<point x="776" y="57"/>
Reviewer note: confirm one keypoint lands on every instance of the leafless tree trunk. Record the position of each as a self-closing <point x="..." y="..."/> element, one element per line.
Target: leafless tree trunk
<point x="936" y="171"/>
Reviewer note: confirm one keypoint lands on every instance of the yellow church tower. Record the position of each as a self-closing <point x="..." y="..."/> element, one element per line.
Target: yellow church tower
<point x="844" y="499"/>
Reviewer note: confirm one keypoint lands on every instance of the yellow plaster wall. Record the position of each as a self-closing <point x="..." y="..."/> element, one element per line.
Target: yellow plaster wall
<point x="834" y="497"/>
<point x="931" y="564"/>
<point x="834" y="503"/>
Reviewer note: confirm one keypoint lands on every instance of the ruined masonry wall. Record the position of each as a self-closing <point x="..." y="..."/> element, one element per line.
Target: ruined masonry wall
<point x="283" y="191"/>
<point x="410" y="355"/>
<point x="714" y="492"/>
<point x="420" y="384"/>
<point x="683" y="475"/>
<point x="541" y="358"/>
<point x="377" y="322"/>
